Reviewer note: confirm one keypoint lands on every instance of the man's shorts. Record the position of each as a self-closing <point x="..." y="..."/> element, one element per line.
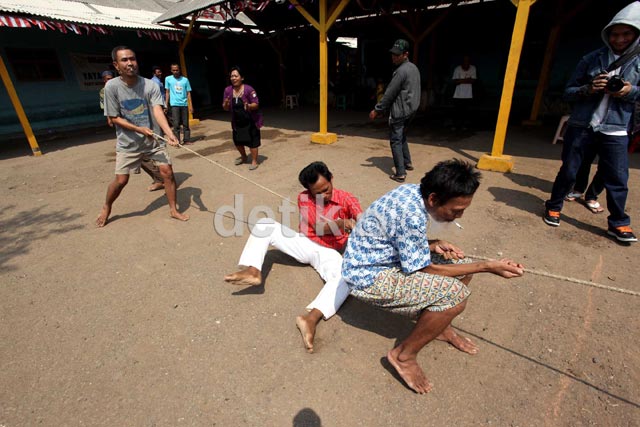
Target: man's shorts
<point x="127" y="163"/>
<point x="411" y="294"/>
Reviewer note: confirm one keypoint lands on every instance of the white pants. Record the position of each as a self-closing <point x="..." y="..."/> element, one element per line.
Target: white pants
<point x="326" y="261"/>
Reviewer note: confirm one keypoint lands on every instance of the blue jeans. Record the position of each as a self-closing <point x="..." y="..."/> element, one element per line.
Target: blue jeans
<point x="593" y="190"/>
<point x="613" y="169"/>
<point x="398" y="142"/>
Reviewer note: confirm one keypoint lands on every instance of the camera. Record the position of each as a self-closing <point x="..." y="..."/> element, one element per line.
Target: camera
<point x="615" y="84"/>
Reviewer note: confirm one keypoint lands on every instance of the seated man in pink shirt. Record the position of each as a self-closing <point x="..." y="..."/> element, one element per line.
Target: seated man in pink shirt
<point x="327" y="215"/>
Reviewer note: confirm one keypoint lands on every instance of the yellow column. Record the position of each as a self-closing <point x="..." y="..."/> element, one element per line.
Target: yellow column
<point x="497" y="161"/>
<point x="323" y="137"/>
<point x="17" y="105"/>
<point x="322" y="25"/>
<point x="183" y="63"/>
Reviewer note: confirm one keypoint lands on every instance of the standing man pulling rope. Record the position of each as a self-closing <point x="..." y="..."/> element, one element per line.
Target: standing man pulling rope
<point x="135" y="107"/>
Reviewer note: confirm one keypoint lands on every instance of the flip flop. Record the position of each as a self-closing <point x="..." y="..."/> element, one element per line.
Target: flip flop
<point x="239" y="161"/>
<point x="594" y="206"/>
<point x="409" y="167"/>
<point x="398" y="178"/>
<point x="253" y="167"/>
<point x="572" y="196"/>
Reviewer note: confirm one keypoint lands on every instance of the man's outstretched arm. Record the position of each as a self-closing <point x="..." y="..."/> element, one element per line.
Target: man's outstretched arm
<point x="504" y="267"/>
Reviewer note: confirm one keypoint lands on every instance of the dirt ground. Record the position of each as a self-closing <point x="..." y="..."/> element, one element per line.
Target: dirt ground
<point x="132" y="325"/>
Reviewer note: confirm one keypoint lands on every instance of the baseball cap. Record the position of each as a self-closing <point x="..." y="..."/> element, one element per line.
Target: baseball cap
<point x="399" y="47"/>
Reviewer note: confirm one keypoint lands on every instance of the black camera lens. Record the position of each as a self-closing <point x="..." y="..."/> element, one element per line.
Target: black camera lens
<point x="615" y="84"/>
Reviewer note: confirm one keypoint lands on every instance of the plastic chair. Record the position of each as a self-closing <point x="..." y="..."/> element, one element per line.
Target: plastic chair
<point x="341" y="102"/>
<point x="562" y="126"/>
<point x="291" y="102"/>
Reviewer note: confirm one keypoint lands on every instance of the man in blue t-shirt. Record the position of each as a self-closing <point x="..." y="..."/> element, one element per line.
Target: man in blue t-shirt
<point x="178" y="95"/>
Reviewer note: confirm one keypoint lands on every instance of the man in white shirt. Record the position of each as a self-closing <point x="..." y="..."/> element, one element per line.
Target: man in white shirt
<point x="464" y="76"/>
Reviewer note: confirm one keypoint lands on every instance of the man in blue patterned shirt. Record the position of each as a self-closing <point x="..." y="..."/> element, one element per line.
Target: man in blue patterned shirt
<point x="391" y="263"/>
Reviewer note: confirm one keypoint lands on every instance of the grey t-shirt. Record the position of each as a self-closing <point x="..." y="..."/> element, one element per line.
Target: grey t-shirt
<point x="133" y="104"/>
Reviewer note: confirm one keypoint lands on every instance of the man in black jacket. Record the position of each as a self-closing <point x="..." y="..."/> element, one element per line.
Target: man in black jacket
<point x="402" y="98"/>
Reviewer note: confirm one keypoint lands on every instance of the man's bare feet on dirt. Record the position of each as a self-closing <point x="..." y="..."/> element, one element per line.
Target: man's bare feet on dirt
<point x="178" y="215"/>
<point x="155" y="186"/>
<point x="249" y="276"/>
<point x="104" y="216"/>
<point x="410" y="371"/>
<point x="307" y="328"/>
<point x="459" y="342"/>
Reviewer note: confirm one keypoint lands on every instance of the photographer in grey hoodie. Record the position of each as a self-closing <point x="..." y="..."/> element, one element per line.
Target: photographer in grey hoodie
<point x="402" y="97"/>
<point x="600" y="121"/>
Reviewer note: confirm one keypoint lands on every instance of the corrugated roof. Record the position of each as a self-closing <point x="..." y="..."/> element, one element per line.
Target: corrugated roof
<point x="186" y="7"/>
<point x="85" y="13"/>
<point x="269" y="15"/>
<point x="159" y="6"/>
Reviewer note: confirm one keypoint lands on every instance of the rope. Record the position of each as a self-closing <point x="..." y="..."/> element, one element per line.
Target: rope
<point x="568" y="279"/>
<point x="226" y="169"/>
<point x="479" y="257"/>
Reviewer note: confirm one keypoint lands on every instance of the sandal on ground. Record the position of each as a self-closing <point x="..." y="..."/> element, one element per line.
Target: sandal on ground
<point x="594" y="206"/>
<point x="572" y="196"/>
<point x="239" y="161"/>
<point x="253" y="167"/>
<point x="398" y="178"/>
<point x="409" y="167"/>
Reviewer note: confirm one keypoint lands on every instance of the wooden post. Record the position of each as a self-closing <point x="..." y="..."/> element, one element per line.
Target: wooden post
<point x="183" y="63"/>
<point x="322" y="25"/>
<point x="497" y="161"/>
<point x="543" y="80"/>
<point x="17" y="105"/>
<point x="560" y="21"/>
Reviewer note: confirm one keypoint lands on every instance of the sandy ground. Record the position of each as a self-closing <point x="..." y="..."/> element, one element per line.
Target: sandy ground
<point x="132" y="325"/>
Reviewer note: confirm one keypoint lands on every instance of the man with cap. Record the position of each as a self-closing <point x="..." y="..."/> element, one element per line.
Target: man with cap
<point x="401" y="99"/>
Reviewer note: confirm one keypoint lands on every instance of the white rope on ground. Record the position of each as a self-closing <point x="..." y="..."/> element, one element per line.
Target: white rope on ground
<point x="226" y="169"/>
<point x="569" y="279"/>
<point x="527" y="270"/>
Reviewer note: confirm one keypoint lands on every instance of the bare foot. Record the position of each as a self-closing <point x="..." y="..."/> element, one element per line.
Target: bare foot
<point x="155" y="186"/>
<point x="104" y="216"/>
<point x="410" y="372"/>
<point x="178" y="215"/>
<point x="458" y="341"/>
<point x="248" y="276"/>
<point x="307" y="328"/>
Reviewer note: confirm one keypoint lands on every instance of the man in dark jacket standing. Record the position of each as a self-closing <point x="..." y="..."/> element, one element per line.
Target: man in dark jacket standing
<point x="402" y="99"/>
<point x="600" y="121"/>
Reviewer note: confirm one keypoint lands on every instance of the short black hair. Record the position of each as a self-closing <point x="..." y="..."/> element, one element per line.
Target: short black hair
<point x="115" y="50"/>
<point x="155" y="67"/>
<point x="310" y="174"/>
<point x="449" y="179"/>
<point x="235" y="68"/>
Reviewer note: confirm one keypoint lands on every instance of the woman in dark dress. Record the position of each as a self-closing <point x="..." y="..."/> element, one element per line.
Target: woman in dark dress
<point x="246" y="119"/>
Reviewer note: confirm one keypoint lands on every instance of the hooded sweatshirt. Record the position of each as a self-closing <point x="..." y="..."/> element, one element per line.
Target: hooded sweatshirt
<point x="630" y="15"/>
<point x="604" y="113"/>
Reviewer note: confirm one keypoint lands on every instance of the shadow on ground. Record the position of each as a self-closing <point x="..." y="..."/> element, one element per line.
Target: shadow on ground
<point x="21" y="229"/>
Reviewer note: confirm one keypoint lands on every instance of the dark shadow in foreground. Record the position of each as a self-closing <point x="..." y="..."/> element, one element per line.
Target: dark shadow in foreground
<point x="307" y="417"/>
